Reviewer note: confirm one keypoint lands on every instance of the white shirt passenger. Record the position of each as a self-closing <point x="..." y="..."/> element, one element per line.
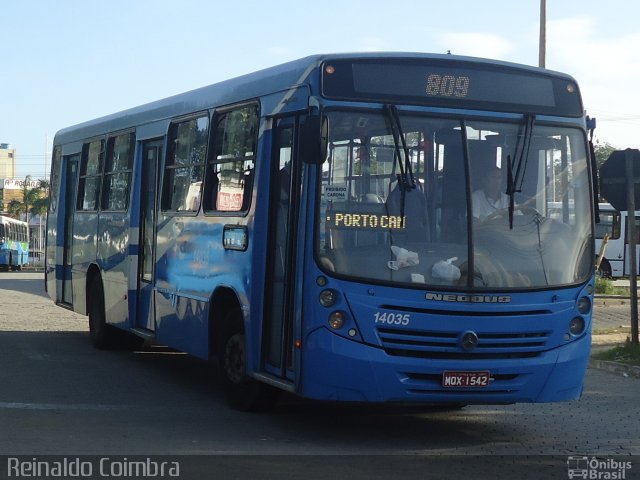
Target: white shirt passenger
<point x="483" y="205"/>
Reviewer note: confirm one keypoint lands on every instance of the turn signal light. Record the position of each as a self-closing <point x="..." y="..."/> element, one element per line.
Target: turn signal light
<point x="336" y="320"/>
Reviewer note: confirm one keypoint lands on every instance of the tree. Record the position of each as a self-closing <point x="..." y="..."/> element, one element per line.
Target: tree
<point x="33" y="202"/>
<point x="603" y="150"/>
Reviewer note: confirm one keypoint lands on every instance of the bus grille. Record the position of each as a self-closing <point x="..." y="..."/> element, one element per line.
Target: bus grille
<point x="445" y="345"/>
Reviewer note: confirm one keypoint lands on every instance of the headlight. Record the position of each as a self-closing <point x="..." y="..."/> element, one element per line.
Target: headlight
<point x="327" y="298"/>
<point x="576" y="325"/>
<point x="584" y="305"/>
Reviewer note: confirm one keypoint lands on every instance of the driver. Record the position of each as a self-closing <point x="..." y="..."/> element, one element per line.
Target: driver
<point x="489" y="198"/>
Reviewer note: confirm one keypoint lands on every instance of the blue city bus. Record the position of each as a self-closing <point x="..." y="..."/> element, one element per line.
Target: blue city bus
<point x="14" y="243"/>
<point x="328" y="227"/>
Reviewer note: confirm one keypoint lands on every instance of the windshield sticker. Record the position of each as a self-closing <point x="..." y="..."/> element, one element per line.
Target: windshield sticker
<point x="335" y="192"/>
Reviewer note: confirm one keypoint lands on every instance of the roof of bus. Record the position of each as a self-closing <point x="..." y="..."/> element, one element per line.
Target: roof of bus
<point x="6" y="219"/>
<point x="252" y="85"/>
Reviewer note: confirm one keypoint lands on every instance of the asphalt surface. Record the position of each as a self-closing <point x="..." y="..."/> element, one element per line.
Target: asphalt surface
<point x="58" y="396"/>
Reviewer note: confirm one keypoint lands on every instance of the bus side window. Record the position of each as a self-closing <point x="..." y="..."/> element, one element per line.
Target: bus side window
<point x="184" y="164"/>
<point x="229" y="178"/>
<point x="90" y="175"/>
<point x="117" y="174"/>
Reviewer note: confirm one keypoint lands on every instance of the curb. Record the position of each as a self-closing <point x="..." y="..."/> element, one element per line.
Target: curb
<point x="604" y="299"/>
<point x="615" y="367"/>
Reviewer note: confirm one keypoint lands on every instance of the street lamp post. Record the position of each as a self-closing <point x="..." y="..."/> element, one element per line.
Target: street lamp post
<point x="542" y="49"/>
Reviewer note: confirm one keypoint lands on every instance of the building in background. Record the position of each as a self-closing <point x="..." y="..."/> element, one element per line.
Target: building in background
<point x="13" y="189"/>
<point x="7" y="171"/>
<point x="7" y="161"/>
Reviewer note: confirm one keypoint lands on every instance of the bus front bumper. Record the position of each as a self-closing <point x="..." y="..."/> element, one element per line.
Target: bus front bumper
<point x="339" y="369"/>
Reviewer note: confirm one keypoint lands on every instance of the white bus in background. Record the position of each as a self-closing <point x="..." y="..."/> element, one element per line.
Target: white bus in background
<point x="615" y="262"/>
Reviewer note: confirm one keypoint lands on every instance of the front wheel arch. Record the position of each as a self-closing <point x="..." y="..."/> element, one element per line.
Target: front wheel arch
<point x="227" y="336"/>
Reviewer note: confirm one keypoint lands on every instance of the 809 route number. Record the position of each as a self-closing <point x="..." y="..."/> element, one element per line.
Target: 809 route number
<point x="392" y="318"/>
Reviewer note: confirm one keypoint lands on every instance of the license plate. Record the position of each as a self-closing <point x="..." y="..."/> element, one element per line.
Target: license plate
<point x="465" y="379"/>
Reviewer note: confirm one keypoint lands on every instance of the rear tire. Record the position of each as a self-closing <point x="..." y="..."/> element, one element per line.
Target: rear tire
<point x="102" y="335"/>
<point x="242" y="392"/>
<point x="605" y="269"/>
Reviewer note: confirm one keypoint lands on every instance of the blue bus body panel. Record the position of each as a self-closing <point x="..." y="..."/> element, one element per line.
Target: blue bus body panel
<point x="524" y="344"/>
<point x="191" y="262"/>
<point x="335" y="370"/>
<point x="113" y="260"/>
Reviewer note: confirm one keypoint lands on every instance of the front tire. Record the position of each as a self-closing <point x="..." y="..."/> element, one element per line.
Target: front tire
<point x="242" y="392"/>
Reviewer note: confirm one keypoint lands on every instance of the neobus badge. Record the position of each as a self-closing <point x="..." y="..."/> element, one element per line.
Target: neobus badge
<point x="446" y="297"/>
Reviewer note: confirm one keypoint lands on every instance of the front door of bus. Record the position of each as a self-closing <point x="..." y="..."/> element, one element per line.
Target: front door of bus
<point x="151" y="155"/>
<point x="71" y="179"/>
<point x="627" y="254"/>
<point x="281" y="282"/>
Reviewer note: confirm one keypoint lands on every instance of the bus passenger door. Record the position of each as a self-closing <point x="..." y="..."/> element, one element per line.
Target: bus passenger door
<point x="281" y="279"/>
<point x="627" y="254"/>
<point x="71" y="183"/>
<point x="151" y="156"/>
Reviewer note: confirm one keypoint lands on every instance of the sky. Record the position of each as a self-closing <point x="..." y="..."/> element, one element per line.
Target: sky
<point x="68" y="61"/>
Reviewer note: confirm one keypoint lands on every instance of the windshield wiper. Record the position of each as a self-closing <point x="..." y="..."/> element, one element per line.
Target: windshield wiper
<point x="406" y="180"/>
<point x="514" y="182"/>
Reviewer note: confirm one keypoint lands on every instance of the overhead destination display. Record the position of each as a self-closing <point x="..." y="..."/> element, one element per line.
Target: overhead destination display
<point x="368" y="221"/>
<point x="451" y="83"/>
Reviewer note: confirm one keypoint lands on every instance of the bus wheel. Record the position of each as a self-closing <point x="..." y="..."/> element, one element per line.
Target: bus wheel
<point x="242" y="392"/>
<point x="102" y="335"/>
<point x="605" y="269"/>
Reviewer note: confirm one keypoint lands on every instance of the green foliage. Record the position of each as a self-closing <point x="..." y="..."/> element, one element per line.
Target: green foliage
<point x="603" y="151"/>
<point x="629" y="354"/>
<point x="604" y="286"/>
<point x="32" y="202"/>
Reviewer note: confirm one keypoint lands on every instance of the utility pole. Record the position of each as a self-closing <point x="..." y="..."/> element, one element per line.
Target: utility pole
<point x="542" y="49"/>
<point x="631" y="218"/>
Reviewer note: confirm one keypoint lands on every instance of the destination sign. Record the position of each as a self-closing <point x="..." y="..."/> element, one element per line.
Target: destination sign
<point x="367" y="221"/>
<point x="452" y="83"/>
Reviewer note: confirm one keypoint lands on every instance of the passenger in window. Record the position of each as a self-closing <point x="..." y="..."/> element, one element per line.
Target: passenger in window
<point x="489" y="198"/>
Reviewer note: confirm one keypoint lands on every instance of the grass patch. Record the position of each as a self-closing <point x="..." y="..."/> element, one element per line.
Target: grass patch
<point x="628" y="354"/>
<point x="606" y="287"/>
<point x="610" y="330"/>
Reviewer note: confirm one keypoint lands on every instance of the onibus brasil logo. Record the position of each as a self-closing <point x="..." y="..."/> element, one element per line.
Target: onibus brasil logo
<point x="597" y="468"/>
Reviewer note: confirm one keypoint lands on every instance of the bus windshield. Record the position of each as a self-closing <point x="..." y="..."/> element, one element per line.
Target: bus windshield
<point x="433" y="209"/>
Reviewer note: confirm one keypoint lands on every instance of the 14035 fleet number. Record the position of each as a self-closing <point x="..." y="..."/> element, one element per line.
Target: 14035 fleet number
<point x="392" y="318"/>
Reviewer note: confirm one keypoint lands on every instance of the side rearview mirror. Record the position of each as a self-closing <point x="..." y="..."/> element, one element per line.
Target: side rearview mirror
<point x="314" y="139"/>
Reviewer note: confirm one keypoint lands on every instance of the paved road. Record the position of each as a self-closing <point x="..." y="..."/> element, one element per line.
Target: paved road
<point x="59" y="396"/>
<point x="612" y="313"/>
